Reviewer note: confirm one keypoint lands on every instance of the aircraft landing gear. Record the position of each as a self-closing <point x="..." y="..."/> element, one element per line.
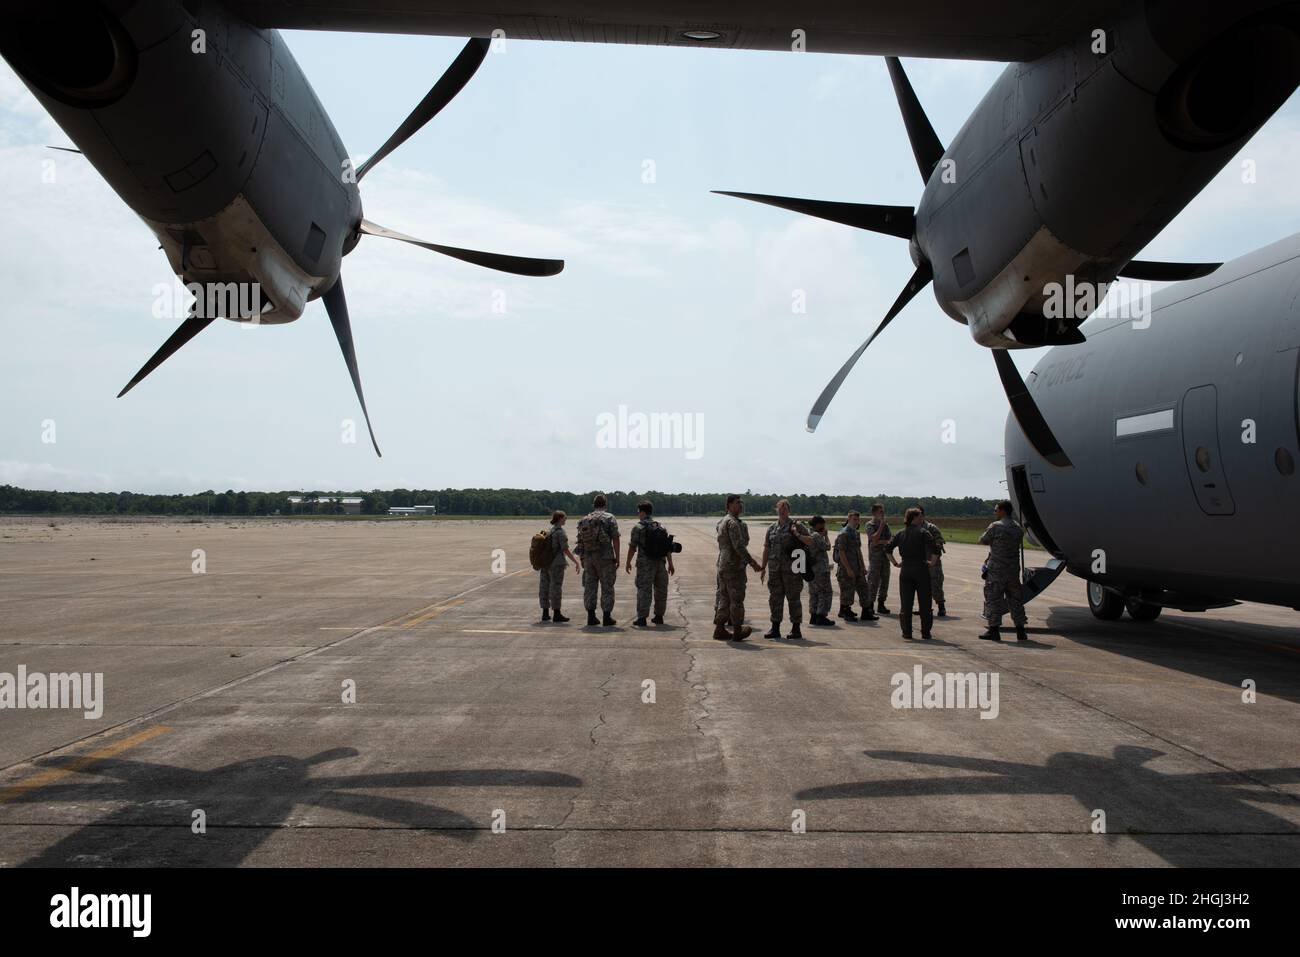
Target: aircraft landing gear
<point x="1104" y="603"/>
<point x="1109" y="604"/>
<point x="1140" y="610"/>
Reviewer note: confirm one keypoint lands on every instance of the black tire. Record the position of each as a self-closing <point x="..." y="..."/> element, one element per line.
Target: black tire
<point x="1104" y="603"/>
<point x="1140" y="610"/>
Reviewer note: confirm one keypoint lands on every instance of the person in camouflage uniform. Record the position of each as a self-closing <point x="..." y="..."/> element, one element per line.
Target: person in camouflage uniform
<point x="651" y="573"/>
<point x="785" y="583"/>
<point x="936" y="570"/>
<point x="878" y="536"/>
<point x="733" y="556"/>
<point x="1002" y="574"/>
<point x="850" y="572"/>
<point x="551" y="587"/>
<point x="820" y="593"/>
<point x="598" y="548"/>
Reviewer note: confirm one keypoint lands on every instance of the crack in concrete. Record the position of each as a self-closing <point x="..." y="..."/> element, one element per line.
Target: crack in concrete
<point x="700" y="689"/>
<point x="555" y="844"/>
<point x="600" y="715"/>
<point x="592" y="733"/>
<point x="603" y="688"/>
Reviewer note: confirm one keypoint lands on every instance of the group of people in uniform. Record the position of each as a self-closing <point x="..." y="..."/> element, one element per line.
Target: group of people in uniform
<point x="794" y="553"/>
<point x="596" y="554"/>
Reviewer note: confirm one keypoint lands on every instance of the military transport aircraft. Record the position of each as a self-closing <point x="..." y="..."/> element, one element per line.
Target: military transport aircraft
<point x="1112" y="115"/>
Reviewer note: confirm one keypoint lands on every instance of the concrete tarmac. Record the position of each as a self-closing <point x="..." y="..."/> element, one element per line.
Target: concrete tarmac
<point x="476" y="735"/>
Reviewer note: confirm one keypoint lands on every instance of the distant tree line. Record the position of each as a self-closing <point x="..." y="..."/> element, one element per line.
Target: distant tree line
<point x="132" y="503"/>
<point x="469" y="501"/>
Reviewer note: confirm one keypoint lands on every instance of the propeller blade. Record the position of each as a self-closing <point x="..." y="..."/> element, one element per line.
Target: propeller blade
<point x="924" y="273"/>
<point x="337" y="307"/>
<point x="1027" y="412"/>
<point x="926" y="146"/>
<point x="449" y="84"/>
<point x="65" y="149"/>
<point x="186" y="331"/>
<point x="1152" y="271"/>
<point x="897" y="221"/>
<point x="519" y="265"/>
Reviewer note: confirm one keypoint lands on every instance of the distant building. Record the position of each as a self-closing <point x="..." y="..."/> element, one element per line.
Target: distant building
<point x="351" y="505"/>
<point x="413" y="510"/>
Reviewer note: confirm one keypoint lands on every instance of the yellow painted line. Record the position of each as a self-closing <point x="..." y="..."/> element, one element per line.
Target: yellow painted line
<point x="433" y="611"/>
<point x="432" y="614"/>
<point x="81" y="763"/>
<point x="427" y="613"/>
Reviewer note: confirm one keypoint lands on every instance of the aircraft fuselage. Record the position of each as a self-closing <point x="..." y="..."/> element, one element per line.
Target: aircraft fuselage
<point x="1184" y="431"/>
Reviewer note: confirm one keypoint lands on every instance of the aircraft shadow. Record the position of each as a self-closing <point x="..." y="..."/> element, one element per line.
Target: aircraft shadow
<point x="1148" y="806"/>
<point x="1214" y="649"/>
<point x="245" y="803"/>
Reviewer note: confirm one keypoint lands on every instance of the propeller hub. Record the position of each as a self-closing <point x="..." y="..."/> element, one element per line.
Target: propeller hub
<point x="352" y="238"/>
<point x="914" y="250"/>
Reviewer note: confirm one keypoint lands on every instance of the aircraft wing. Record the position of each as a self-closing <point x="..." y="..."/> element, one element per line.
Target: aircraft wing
<point x="1003" y="30"/>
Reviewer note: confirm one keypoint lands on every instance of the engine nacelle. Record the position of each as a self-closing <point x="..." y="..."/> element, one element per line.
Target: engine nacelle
<point x="1072" y="164"/>
<point x="207" y="129"/>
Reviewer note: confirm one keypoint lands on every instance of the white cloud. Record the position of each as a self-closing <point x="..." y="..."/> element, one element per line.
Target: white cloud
<point x="35" y="125"/>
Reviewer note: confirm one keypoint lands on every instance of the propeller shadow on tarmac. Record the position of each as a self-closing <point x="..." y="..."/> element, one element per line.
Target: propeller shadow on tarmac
<point x="244" y="804"/>
<point x="1140" y="803"/>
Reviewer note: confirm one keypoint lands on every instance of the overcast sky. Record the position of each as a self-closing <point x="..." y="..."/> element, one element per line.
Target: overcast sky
<point x="673" y="300"/>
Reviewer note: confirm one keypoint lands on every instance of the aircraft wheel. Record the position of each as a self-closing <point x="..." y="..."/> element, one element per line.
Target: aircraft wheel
<point x="1140" y="610"/>
<point x="1104" y="603"/>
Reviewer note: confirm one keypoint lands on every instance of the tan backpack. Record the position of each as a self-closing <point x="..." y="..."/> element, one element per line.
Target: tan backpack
<point x="540" y="551"/>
